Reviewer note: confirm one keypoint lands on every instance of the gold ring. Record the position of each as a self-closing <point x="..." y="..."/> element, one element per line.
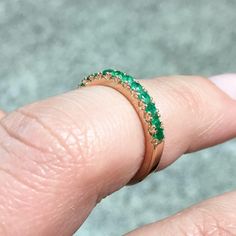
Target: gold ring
<point x="146" y="109"/>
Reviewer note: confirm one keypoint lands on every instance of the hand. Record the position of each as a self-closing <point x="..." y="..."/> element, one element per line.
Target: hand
<point x="61" y="156"/>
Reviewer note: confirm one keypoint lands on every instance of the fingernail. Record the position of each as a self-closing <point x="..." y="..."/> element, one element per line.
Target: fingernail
<point x="226" y="82"/>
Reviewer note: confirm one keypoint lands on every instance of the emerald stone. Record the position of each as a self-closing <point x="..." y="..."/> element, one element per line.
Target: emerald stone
<point x="114" y="73"/>
<point x="144" y="96"/>
<point x="118" y="74"/>
<point x="127" y="78"/>
<point x="136" y="86"/>
<point x="156" y="121"/>
<point x="159" y="134"/>
<point x="151" y="108"/>
<point x="110" y="71"/>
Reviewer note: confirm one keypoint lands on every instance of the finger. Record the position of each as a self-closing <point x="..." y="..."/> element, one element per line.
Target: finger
<point x="196" y="113"/>
<point x="2" y="114"/>
<point x="213" y="217"/>
<point x="62" y="155"/>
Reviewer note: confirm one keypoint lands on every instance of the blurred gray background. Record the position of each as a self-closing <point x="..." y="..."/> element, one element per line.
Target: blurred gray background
<point x="47" y="47"/>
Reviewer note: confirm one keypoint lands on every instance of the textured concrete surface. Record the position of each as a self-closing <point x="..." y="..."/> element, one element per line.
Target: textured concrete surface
<point x="46" y="47"/>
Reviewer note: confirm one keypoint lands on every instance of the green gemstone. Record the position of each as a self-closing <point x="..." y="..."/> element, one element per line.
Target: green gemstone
<point x="159" y="134"/>
<point x="127" y="78"/>
<point x="110" y="71"/>
<point x="144" y="96"/>
<point x="118" y="74"/>
<point x="156" y="121"/>
<point x="136" y="86"/>
<point x="151" y="108"/>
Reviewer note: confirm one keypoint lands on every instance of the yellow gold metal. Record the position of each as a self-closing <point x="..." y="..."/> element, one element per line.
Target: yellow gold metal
<point x="125" y="85"/>
<point x="116" y="80"/>
<point x="141" y="105"/>
<point x="99" y="76"/>
<point x="152" y="129"/>
<point x="134" y="94"/>
<point x="147" y="116"/>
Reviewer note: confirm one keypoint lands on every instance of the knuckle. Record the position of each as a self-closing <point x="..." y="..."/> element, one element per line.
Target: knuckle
<point x="186" y="91"/>
<point x="44" y="154"/>
<point x="189" y="96"/>
<point x="51" y="136"/>
<point x="44" y="149"/>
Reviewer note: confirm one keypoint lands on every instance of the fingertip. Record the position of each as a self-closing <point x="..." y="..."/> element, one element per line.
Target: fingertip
<point x="227" y="83"/>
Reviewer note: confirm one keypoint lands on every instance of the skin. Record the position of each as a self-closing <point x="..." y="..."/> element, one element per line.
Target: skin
<point x="61" y="156"/>
<point x="2" y="114"/>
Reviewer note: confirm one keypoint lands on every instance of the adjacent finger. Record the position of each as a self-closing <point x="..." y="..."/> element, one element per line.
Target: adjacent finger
<point x="212" y="217"/>
<point x="62" y="155"/>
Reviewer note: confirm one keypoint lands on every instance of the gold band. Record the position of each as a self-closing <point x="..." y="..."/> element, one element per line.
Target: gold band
<point x="147" y="112"/>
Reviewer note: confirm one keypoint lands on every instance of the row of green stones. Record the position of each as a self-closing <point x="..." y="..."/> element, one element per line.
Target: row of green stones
<point x="142" y="95"/>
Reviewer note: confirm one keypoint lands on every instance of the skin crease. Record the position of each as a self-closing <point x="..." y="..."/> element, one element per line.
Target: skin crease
<point x="61" y="156"/>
